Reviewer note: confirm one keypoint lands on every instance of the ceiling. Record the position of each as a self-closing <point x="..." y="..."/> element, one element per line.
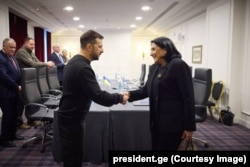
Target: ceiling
<point x="107" y="14"/>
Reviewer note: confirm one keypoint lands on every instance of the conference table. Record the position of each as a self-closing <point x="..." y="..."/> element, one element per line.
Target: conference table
<point x="129" y="125"/>
<point x="116" y="128"/>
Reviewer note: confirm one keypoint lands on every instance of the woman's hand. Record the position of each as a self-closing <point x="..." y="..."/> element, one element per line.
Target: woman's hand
<point x="187" y="135"/>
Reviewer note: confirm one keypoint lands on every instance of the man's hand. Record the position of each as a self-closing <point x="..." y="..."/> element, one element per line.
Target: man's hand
<point x="51" y="64"/>
<point x="125" y="99"/>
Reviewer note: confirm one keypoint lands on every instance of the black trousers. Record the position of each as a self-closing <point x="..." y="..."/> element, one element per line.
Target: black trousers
<point x="9" y="108"/>
<point x="168" y="141"/>
<point x="71" y="140"/>
<point x="20" y="110"/>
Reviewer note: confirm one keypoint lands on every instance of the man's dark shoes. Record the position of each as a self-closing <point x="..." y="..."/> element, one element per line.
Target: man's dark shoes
<point x="8" y="144"/>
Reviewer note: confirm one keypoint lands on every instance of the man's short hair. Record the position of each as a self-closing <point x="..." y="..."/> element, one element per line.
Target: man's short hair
<point x="6" y="40"/>
<point x="89" y="36"/>
<point x="27" y="39"/>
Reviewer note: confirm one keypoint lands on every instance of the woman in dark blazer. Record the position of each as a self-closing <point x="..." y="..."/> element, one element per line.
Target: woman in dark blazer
<point x="170" y="91"/>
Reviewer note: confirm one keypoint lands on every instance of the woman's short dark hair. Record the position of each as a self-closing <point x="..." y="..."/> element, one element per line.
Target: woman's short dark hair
<point x="168" y="45"/>
<point x="89" y="37"/>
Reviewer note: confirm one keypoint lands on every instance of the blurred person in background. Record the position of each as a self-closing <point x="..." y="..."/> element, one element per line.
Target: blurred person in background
<point x="65" y="56"/>
<point x="57" y="58"/>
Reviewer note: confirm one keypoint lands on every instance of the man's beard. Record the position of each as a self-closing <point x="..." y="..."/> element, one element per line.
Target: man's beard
<point x="29" y="50"/>
<point x="94" y="56"/>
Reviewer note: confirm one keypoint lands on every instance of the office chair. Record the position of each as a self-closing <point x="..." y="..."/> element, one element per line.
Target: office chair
<point x="202" y="82"/>
<point x="215" y="99"/>
<point x="142" y="76"/>
<point x="43" y="84"/>
<point x="36" y="108"/>
<point x="52" y="79"/>
<point x="191" y="69"/>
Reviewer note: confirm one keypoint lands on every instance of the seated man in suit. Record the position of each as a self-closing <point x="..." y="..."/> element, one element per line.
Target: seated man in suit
<point x="57" y="58"/>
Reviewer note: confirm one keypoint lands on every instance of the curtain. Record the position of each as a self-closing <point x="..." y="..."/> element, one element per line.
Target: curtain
<point x="48" y="44"/>
<point x="18" y="29"/>
<point x="39" y="43"/>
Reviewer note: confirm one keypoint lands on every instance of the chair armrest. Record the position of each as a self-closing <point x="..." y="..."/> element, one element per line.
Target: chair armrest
<point x="48" y="96"/>
<point x="38" y="105"/>
<point x="200" y="106"/>
<point x="55" y="91"/>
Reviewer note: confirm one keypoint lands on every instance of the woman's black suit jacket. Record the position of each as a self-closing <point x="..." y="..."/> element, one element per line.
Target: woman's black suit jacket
<point x="171" y="97"/>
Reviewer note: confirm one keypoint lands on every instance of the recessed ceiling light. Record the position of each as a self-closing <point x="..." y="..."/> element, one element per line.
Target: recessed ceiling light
<point x="132" y="26"/>
<point x="68" y="8"/>
<point x="138" y="18"/>
<point x="145" y="8"/>
<point x="76" y="18"/>
<point x="81" y="26"/>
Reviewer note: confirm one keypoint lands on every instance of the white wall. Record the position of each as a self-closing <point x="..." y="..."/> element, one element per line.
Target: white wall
<point x="218" y="40"/>
<point x="196" y="35"/>
<point x="245" y="115"/>
<point x="193" y="33"/>
<point x="117" y="51"/>
<point x="140" y="52"/>
<point x="4" y="20"/>
<point x="68" y="39"/>
<point x="30" y="30"/>
<point x="116" y="57"/>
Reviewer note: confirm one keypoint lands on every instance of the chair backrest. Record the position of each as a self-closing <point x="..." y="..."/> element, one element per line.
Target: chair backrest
<point x="42" y="80"/>
<point x="217" y="90"/>
<point x="52" y="78"/>
<point x="191" y="70"/>
<point x="143" y="73"/>
<point x="202" y="83"/>
<point x="30" y="91"/>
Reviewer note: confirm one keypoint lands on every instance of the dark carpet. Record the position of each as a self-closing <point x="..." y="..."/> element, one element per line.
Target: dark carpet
<point x="220" y="138"/>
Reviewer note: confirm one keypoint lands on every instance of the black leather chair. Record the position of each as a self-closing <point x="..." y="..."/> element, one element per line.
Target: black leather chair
<point x="215" y="99"/>
<point x="43" y="84"/>
<point x="52" y="79"/>
<point x="36" y="107"/>
<point x="202" y="83"/>
<point x="142" y="76"/>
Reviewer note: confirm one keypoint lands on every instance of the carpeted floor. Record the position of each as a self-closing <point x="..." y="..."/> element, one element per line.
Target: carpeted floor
<point x="220" y="138"/>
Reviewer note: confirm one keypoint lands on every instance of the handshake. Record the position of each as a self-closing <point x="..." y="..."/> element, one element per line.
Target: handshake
<point x="126" y="96"/>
